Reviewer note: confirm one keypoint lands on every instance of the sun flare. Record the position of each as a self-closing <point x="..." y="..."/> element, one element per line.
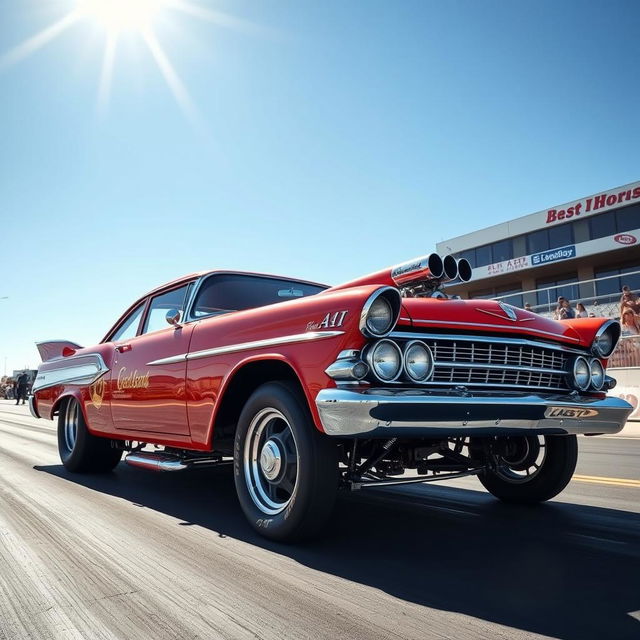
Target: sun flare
<point x="121" y="15"/>
<point x="120" y="19"/>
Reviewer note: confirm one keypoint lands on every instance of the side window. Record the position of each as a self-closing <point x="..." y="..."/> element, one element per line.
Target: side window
<point x="161" y="304"/>
<point x="129" y="328"/>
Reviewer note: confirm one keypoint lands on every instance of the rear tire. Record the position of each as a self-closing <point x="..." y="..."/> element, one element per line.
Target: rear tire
<point x="286" y="471"/>
<point x="80" y="451"/>
<point x="528" y="472"/>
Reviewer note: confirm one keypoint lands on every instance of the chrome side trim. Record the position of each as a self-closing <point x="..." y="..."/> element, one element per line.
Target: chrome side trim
<point x="408" y="412"/>
<point x="484" y="338"/>
<point x="245" y="346"/>
<point x="82" y="369"/>
<point x="475" y="325"/>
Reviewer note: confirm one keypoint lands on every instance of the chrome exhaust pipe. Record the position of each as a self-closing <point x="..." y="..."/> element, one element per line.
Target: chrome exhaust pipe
<point x="428" y="267"/>
<point x="450" y="268"/>
<point x="465" y="272"/>
<point x="155" y="461"/>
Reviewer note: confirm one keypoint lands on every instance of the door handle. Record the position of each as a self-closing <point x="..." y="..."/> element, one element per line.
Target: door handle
<point x="123" y="347"/>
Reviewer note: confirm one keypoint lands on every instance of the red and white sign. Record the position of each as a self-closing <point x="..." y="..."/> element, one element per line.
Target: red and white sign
<point x="602" y="201"/>
<point x="625" y="238"/>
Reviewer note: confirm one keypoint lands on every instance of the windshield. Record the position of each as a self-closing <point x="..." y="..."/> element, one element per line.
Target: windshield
<point x="235" y="292"/>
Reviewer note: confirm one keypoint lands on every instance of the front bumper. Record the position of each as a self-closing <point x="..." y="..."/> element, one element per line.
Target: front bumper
<point x="416" y="412"/>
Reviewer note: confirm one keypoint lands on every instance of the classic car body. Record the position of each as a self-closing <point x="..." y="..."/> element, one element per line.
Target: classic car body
<point x="308" y="388"/>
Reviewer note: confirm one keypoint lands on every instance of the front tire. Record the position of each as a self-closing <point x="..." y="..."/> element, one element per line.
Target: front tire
<point x="528" y="469"/>
<point x="286" y="471"/>
<point x="80" y="451"/>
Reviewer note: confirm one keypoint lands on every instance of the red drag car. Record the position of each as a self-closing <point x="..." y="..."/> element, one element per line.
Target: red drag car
<point x="309" y="389"/>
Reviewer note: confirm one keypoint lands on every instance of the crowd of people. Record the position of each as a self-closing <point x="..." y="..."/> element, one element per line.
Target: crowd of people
<point x="17" y="389"/>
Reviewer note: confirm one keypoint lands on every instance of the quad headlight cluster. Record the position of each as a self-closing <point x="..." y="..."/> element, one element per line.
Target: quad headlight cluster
<point x="588" y="374"/>
<point x="388" y="361"/>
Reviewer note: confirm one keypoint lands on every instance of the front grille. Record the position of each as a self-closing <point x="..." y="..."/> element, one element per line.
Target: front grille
<point x="479" y="361"/>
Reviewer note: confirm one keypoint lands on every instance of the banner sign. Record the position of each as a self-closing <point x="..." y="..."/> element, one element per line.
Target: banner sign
<point x="553" y="255"/>
<point x="590" y="247"/>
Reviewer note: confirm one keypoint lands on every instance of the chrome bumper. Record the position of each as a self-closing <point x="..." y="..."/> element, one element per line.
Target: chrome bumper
<point x="416" y="412"/>
<point x="32" y="406"/>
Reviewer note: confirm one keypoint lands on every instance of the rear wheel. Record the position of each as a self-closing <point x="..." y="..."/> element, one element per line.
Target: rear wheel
<point x="79" y="450"/>
<point x="526" y="469"/>
<point x="286" y="472"/>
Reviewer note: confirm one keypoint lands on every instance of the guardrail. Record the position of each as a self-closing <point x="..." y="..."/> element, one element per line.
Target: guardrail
<point x="627" y="353"/>
<point x="585" y="291"/>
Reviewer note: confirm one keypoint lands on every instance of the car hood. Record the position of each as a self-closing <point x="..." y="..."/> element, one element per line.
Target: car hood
<point x="485" y="316"/>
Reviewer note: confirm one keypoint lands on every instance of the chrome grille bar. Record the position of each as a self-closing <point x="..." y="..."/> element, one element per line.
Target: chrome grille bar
<point x="496" y="362"/>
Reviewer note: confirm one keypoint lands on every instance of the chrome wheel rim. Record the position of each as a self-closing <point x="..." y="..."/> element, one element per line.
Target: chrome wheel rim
<point x="525" y="459"/>
<point x="71" y="425"/>
<point x="270" y="461"/>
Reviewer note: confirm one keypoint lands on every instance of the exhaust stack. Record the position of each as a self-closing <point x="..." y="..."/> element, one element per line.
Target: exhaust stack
<point x="465" y="271"/>
<point x="450" y="268"/>
<point x="428" y="267"/>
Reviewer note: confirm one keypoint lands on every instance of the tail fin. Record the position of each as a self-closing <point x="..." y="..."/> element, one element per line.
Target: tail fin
<point x="56" y="349"/>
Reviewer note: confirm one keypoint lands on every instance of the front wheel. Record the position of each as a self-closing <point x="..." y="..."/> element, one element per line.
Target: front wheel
<point x="286" y="472"/>
<point x="526" y="469"/>
<point x="79" y="450"/>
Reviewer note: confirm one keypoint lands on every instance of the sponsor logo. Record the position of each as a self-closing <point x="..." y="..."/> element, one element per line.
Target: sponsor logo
<point x="407" y="268"/>
<point x="625" y="238"/>
<point x="553" y="255"/>
<point x="331" y="320"/>
<point x="132" y="380"/>
<point x="568" y="412"/>
<point x="96" y="393"/>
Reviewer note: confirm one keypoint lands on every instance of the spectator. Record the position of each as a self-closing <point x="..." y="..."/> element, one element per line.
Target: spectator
<point x="629" y="300"/>
<point x="564" y="310"/>
<point x="527" y="307"/>
<point x="21" y="387"/>
<point x="581" y="312"/>
<point x="630" y="323"/>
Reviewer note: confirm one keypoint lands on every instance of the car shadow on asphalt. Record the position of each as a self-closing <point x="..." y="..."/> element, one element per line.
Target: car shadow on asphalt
<point x="563" y="570"/>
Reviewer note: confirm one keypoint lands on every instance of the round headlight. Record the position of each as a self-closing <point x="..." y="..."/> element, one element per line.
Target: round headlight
<point x="597" y="374"/>
<point x="606" y="339"/>
<point x="385" y="359"/>
<point x="380" y="312"/>
<point x="380" y="317"/>
<point x="418" y="361"/>
<point x="581" y="373"/>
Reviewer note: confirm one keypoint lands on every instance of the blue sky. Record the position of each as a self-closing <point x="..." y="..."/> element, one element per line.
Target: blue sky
<point x="327" y="139"/>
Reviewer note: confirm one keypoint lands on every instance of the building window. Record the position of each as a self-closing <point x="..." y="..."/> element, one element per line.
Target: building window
<point x="560" y="236"/>
<point x="553" y="289"/>
<point x="502" y="250"/>
<point x="537" y="241"/>
<point x="551" y="238"/>
<point x="628" y="219"/>
<point x="602" y="226"/>
<point x="612" y="286"/>
<point x="483" y="255"/>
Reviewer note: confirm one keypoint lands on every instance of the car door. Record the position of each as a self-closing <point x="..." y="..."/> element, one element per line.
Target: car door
<point x="148" y="393"/>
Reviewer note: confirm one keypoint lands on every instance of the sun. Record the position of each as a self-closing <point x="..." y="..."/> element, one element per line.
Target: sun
<point x="121" y="19"/>
<point x="121" y="15"/>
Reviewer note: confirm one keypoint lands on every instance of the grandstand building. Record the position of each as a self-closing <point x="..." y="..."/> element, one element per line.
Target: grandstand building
<point x="584" y="250"/>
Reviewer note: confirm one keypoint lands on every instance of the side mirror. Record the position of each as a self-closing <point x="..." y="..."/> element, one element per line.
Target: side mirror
<point x="173" y="318"/>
